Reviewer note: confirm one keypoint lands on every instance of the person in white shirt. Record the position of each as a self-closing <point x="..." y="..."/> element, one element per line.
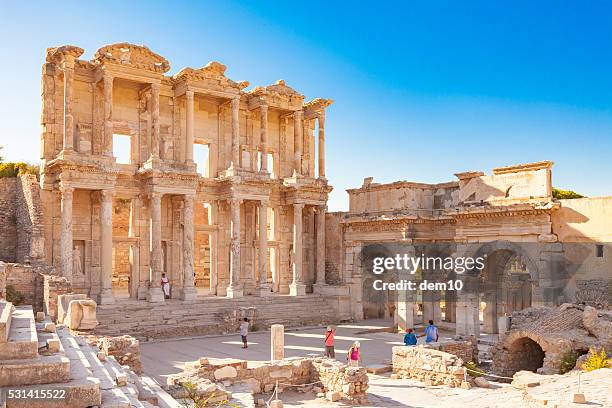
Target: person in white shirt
<point x="165" y="284"/>
<point x="244" y="330"/>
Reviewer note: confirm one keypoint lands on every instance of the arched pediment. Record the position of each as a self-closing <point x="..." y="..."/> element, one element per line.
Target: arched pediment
<point x="137" y="56"/>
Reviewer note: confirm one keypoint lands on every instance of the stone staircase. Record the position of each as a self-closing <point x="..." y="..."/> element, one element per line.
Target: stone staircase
<point x="36" y="356"/>
<point x="210" y="315"/>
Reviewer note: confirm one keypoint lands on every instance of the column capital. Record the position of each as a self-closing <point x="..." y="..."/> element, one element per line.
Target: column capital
<point x="263" y="108"/>
<point x="321" y="118"/>
<point x="264" y="202"/>
<point x="155" y="195"/>
<point x="235" y="201"/>
<point x="236" y="102"/>
<point x="65" y="190"/>
<point x="189" y="94"/>
<point x="106" y="195"/>
<point x="298" y="114"/>
<point x="155" y="86"/>
<point x="299" y="205"/>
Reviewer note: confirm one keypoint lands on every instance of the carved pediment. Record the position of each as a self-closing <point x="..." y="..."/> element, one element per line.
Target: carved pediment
<point x="213" y="70"/>
<point x="137" y="56"/>
<point x="318" y="104"/>
<point x="57" y="54"/>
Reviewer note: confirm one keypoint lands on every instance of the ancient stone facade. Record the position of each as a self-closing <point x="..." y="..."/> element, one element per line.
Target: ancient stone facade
<point x="249" y="219"/>
<point x="539" y="250"/>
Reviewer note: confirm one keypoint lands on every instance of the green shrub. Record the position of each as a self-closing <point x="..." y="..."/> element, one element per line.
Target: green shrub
<point x="473" y="369"/>
<point x="568" y="362"/>
<point x="596" y="360"/>
<point x="11" y="169"/>
<point x="14" y="296"/>
<point x="565" y="194"/>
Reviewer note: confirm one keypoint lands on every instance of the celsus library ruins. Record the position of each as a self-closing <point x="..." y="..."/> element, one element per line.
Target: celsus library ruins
<point x="219" y="212"/>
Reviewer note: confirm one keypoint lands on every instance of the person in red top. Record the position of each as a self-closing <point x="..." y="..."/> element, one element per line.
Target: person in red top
<point x="329" y="342"/>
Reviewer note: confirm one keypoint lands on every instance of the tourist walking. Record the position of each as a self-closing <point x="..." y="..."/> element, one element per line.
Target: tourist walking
<point x="330" y="333"/>
<point x="354" y="355"/>
<point x="431" y="333"/>
<point x="165" y="284"/>
<point x="244" y="330"/>
<point x="410" y="339"/>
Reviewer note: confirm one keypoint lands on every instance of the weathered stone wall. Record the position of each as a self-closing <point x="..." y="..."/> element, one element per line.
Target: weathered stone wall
<point x="466" y="350"/>
<point x="433" y="367"/>
<point x="54" y="286"/>
<point x="333" y="247"/>
<point x="335" y="379"/>
<point x="2" y="280"/>
<point x="125" y="349"/>
<point x="8" y="220"/>
<point x="27" y="282"/>
<point x="21" y="224"/>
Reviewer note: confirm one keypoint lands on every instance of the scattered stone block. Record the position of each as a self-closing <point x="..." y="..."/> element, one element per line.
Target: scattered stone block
<point x="276" y="404"/>
<point x="53" y="345"/>
<point x="40" y="316"/>
<point x="465" y="385"/>
<point x="482" y="382"/>
<point x="121" y="379"/>
<point x="225" y="372"/>
<point x="578" y="398"/>
<point x="333" y="396"/>
<point x="101" y="356"/>
<point x="81" y="315"/>
<point x="50" y="327"/>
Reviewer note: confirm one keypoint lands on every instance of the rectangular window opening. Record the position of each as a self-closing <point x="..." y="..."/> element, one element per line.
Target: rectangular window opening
<point x="122" y="147"/>
<point x="599" y="249"/>
<point x="270" y="163"/>
<point x="201" y="156"/>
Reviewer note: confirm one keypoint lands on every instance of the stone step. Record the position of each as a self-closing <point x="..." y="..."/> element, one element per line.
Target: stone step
<point x="40" y="370"/>
<point x="6" y="312"/>
<point x="78" y="394"/>
<point x="164" y="400"/>
<point x="22" y="341"/>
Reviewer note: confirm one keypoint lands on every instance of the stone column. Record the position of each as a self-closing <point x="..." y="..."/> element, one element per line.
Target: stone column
<point x="277" y="342"/>
<point x="263" y="119"/>
<point x="66" y="232"/>
<point x="155" y="291"/>
<point x="134" y="231"/>
<point x="320" y="245"/>
<point x="234" y="290"/>
<point x="189" y="291"/>
<point x="214" y="251"/>
<point x="298" y="141"/>
<point x="236" y="132"/>
<point x="189" y="128"/>
<point x="68" y="117"/>
<point x="155" y="137"/>
<point x="297" y="286"/>
<point x="106" y="248"/>
<point x="108" y="115"/>
<point x="321" y="119"/>
<point x="264" y="287"/>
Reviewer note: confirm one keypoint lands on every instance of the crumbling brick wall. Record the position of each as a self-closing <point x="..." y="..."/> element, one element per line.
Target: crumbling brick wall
<point x="466" y="350"/>
<point x="333" y="247"/>
<point x="29" y="220"/>
<point x="433" y="367"/>
<point x="27" y="282"/>
<point x="125" y="349"/>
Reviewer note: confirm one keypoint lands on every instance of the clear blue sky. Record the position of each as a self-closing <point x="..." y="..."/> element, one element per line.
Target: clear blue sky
<point x="422" y="89"/>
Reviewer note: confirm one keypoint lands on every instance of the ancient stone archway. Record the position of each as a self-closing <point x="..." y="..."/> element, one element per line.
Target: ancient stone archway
<point x="525" y="354"/>
<point x="505" y="284"/>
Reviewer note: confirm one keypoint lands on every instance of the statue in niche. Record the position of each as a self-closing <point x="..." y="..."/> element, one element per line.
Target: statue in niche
<point x="77" y="261"/>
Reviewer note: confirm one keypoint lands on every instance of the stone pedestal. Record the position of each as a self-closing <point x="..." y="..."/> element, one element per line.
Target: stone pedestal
<point x="188" y="293"/>
<point x="297" y="289"/>
<point x="264" y="290"/>
<point x="155" y="294"/>
<point x="106" y="297"/>
<point x="277" y="342"/>
<point x="234" y="292"/>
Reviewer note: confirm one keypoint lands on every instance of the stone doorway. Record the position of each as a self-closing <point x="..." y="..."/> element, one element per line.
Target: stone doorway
<point x="377" y="304"/>
<point x="505" y="286"/>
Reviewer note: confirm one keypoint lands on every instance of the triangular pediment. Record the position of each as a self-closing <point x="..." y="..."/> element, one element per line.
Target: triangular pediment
<point x="137" y="56"/>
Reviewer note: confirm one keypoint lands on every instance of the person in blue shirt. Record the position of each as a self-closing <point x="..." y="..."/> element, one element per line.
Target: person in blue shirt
<point x="410" y="338"/>
<point x="431" y="333"/>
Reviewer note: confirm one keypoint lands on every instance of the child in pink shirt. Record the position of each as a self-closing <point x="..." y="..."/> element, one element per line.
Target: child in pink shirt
<point x="354" y="355"/>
